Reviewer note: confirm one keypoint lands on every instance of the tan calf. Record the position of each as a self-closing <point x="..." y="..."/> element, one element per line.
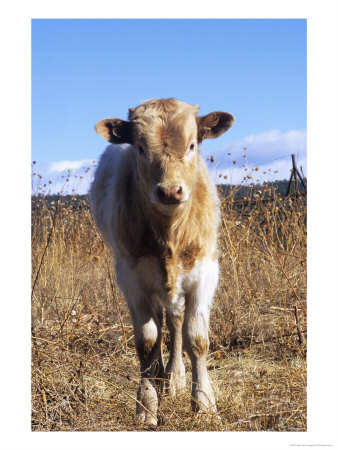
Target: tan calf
<point x="157" y="209"/>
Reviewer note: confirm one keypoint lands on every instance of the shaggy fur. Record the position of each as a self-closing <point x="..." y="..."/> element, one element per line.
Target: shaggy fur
<point x="158" y="210"/>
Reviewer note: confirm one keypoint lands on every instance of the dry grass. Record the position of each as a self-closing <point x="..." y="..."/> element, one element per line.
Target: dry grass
<point x="84" y="364"/>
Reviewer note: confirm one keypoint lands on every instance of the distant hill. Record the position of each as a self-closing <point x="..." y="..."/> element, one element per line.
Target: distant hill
<point x="265" y="190"/>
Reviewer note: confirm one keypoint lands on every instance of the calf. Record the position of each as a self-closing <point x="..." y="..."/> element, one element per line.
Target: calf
<point x="158" y="210"/>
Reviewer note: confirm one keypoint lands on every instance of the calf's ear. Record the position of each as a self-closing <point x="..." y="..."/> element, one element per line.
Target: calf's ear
<point x="116" y="131"/>
<point x="213" y="124"/>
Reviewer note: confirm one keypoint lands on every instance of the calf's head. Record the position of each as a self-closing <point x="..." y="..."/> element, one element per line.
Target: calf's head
<point x="165" y="135"/>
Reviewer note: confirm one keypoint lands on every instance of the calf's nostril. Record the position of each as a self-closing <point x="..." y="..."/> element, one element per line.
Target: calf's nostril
<point x="160" y="193"/>
<point x="178" y="193"/>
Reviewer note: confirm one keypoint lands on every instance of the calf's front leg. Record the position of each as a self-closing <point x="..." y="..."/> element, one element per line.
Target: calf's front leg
<point x="147" y="332"/>
<point x="195" y="335"/>
<point x="197" y="344"/>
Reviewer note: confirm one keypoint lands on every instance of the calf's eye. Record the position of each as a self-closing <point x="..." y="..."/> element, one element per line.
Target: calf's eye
<point x="141" y="150"/>
<point x="192" y="147"/>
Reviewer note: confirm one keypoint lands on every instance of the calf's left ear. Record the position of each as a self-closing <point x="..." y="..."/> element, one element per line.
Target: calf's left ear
<point x="116" y="131"/>
<point x="213" y="124"/>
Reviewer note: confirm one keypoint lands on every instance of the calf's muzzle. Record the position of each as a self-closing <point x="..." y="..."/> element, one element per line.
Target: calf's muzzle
<point x="170" y="195"/>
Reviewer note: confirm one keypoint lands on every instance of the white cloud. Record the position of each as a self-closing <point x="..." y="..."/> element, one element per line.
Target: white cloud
<point x="273" y="144"/>
<point x="66" y="177"/>
<point x="63" y="166"/>
<point x="269" y="151"/>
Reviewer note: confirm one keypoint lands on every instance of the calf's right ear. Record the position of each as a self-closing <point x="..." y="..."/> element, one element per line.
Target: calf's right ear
<point x="116" y="131"/>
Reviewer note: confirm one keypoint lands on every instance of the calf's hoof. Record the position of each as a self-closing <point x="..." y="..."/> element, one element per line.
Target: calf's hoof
<point x="202" y="402"/>
<point x="145" y="418"/>
<point x="147" y="405"/>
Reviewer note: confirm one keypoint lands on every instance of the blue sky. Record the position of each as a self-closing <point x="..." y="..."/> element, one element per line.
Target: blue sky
<point x="85" y="70"/>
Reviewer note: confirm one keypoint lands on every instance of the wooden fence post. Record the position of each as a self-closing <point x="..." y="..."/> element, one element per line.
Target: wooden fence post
<point x="295" y="175"/>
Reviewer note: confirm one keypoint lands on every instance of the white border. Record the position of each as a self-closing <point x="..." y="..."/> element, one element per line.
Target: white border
<point x="15" y="224"/>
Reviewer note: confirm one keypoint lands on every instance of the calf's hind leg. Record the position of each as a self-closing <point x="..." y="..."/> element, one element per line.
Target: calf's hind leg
<point x="175" y="370"/>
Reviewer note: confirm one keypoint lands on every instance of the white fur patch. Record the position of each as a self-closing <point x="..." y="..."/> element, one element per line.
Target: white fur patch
<point x="201" y="283"/>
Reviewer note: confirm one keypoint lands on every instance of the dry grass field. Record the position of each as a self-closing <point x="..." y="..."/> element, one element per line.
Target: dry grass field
<point x="84" y="364"/>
